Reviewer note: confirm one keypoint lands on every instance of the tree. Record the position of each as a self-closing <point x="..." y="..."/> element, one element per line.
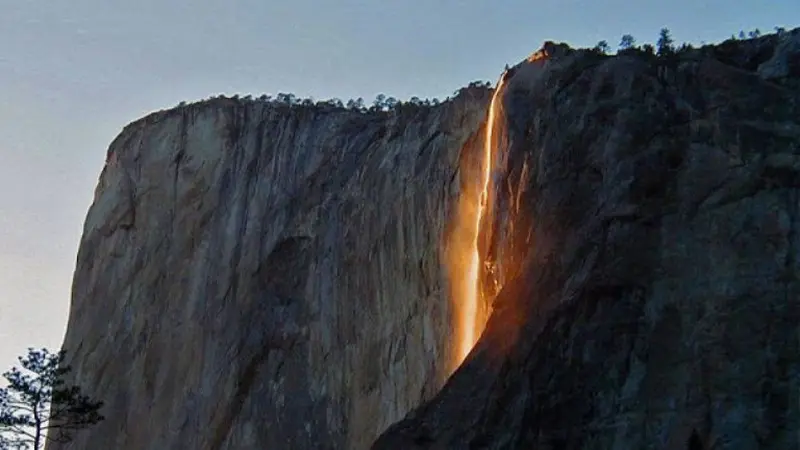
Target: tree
<point x="741" y="35"/>
<point x="38" y="406"/>
<point x="287" y="99"/>
<point x="601" y="47"/>
<point x="626" y="42"/>
<point x="379" y="103"/>
<point x="754" y="34"/>
<point x="664" y="43"/>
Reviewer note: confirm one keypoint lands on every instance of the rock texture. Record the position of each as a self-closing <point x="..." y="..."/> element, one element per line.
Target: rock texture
<point x="256" y="276"/>
<point x="647" y="232"/>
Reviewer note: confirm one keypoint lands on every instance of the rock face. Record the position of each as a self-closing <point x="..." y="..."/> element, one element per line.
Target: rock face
<point x="254" y="277"/>
<point x="257" y="276"/>
<point x="647" y="230"/>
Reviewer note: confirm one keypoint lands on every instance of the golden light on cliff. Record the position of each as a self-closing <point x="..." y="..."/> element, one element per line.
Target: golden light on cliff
<point x="537" y="55"/>
<point x="467" y="306"/>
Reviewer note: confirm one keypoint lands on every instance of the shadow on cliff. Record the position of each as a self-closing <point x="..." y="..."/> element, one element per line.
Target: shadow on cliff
<point x="658" y="298"/>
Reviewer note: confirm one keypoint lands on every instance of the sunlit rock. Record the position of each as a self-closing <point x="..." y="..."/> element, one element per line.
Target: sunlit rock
<point x="258" y="276"/>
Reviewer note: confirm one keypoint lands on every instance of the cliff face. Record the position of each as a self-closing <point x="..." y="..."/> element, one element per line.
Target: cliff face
<point x="256" y="276"/>
<point x="647" y="234"/>
<point x="253" y="276"/>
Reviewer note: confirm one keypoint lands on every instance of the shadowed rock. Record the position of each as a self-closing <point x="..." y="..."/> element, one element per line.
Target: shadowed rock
<point x="651" y="214"/>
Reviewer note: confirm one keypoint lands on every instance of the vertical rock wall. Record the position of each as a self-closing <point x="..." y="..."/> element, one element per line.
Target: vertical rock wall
<point x="648" y="245"/>
<point x="256" y="276"/>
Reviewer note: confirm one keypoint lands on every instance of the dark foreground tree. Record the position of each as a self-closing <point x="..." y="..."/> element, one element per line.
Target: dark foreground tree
<point x="37" y="406"/>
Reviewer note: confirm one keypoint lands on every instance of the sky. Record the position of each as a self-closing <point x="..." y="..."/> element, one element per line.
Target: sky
<point x="74" y="72"/>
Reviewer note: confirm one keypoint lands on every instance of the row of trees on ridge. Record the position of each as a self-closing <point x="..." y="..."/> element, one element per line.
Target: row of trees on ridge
<point x="381" y="103"/>
<point x="664" y="46"/>
<point x="665" y="43"/>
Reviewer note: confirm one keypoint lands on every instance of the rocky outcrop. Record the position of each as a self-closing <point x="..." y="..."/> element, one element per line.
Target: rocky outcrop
<point x="647" y="237"/>
<point x="258" y="276"/>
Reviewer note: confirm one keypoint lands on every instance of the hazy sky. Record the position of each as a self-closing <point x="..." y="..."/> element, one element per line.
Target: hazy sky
<point x="74" y="72"/>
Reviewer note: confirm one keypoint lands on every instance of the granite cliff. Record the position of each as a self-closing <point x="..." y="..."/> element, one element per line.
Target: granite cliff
<point x="256" y="276"/>
<point x="646" y="233"/>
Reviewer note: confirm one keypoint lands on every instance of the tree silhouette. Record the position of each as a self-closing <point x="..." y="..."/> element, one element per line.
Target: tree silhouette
<point x="602" y="47"/>
<point x="379" y="103"/>
<point x="286" y="98"/>
<point x="664" y="43"/>
<point x="626" y="42"/>
<point x="37" y="406"/>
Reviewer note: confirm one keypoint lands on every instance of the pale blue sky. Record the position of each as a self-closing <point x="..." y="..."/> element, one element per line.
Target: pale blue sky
<point x="74" y="72"/>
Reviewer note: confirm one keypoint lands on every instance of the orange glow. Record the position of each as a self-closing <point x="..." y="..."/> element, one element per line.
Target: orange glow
<point x="537" y="55"/>
<point x="467" y="306"/>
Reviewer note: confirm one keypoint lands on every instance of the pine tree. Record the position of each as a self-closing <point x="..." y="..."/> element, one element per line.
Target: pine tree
<point x="664" y="43"/>
<point x="37" y="406"/>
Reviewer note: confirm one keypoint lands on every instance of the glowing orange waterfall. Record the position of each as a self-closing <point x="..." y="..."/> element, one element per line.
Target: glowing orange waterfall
<point x="467" y="305"/>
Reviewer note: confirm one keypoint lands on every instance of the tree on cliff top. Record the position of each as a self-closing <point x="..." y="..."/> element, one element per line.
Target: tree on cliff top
<point x="602" y="47"/>
<point x="37" y="406"/>
<point x="664" y="43"/>
<point x="626" y="42"/>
